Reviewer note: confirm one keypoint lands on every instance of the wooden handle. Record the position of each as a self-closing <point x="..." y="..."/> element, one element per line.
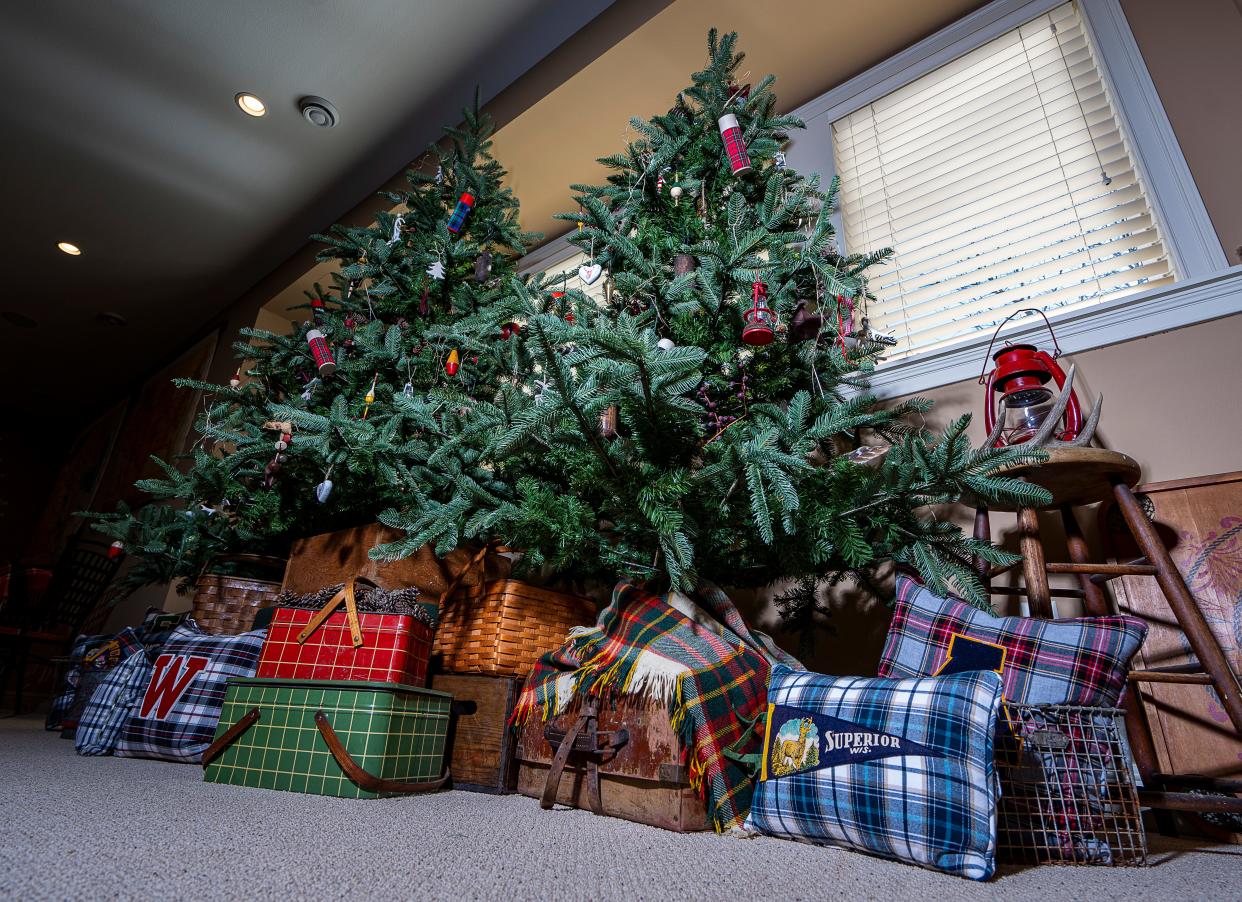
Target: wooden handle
<point x="229" y="736"/>
<point x="346" y="595"/>
<point x="354" y="771"/>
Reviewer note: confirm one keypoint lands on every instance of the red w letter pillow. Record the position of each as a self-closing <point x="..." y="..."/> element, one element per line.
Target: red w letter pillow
<point x="177" y="716"/>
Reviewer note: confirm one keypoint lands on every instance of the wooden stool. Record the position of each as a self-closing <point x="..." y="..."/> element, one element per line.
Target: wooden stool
<point x="1079" y="476"/>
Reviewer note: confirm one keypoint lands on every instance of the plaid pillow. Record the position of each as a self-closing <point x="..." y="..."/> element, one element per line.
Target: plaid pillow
<point x="902" y="769"/>
<point x="180" y="706"/>
<point x="1041" y="662"/>
<point x="109" y="706"/>
<point x="93" y="657"/>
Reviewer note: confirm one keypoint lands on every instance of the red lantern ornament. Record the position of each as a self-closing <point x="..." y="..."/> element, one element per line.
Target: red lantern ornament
<point x="465" y="204"/>
<point x="115" y="550"/>
<point x="453" y="363"/>
<point x="731" y="132"/>
<point x="317" y="310"/>
<point x="1018" y="394"/>
<point x="322" y="353"/>
<point x="760" y="327"/>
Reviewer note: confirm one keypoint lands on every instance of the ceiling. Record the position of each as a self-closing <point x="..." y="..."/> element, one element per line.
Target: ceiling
<point x="554" y="140"/>
<point x="122" y="136"/>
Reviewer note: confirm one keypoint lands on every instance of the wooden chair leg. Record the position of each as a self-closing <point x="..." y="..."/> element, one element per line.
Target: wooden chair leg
<point x="1188" y="615"/>
<point x="1144" y="751"/>
<point x="1094" y="600"/>
<point x="1033" y="564"/>
<point x="983" y="532"/>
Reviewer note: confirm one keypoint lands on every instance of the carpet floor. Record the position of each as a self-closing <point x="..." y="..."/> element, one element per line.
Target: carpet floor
<point x="116" y="828"/>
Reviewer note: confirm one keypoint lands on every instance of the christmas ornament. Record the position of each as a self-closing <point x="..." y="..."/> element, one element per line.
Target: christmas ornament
<point x="436" y="269"/>
<point x="738" y="93"/>
<point x="453" y="362"/>
<point x="235" y="382"/>
<point x="396" y="230"/>
<point x="779" y="160"/>
<point x="684" y="263"/>
<point x="282" y="443"/>
<point x="323" y="490"/>
<point x="424" y="309"/>
<point x="322" y="353"/>
<point x="760" y="320"/>
<point x="867" y="455"/>
<point x="408" y="391"/>
<point x="317" y="310"/>
<point x="731" y="132"/>
<point x="660" y="180"/>
<point x="270" y="471"/>
<point x="675" y="192"/>
<point x="590" y="272"/>
<point x="666" y="344"/>
<point x="370" y="396"/>
<point x="1017" y="386"/>
<point x="482" y="266"/>
<point x="310" y="389"/>
<point x="465" y="204"/>
<point x="115" y="550"/>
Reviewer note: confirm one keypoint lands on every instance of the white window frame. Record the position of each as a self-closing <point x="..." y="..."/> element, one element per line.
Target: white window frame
<point x="1206" y="287"/>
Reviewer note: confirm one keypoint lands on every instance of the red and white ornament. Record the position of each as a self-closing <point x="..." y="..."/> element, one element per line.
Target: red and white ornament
<point x="735" y="144"/>
<point x="115" y="550"/>
<point x="321" y="352"/>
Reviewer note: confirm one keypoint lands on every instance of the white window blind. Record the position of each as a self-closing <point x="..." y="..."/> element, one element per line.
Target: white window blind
<point x="1002" y="180"/>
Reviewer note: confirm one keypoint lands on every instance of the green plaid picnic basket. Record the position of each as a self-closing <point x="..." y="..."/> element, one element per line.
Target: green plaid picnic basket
<point x="343" y="738"/>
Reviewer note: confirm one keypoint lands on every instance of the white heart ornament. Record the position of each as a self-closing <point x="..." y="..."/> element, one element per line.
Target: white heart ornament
<point x="589" y="273"/>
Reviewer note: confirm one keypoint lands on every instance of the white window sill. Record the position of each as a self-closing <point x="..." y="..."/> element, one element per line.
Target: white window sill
<point x="1138" y="315"/>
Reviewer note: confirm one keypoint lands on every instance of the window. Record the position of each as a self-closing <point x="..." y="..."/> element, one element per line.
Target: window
<point x="561" y="261"/>
<point x="1003" y="179"/>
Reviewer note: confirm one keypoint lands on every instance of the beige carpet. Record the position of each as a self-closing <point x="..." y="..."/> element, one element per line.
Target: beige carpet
<point x="114" y="828"/>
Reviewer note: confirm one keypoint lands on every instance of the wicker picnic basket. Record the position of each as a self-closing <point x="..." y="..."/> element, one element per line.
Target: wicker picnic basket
<point x="502" y="627"/>
<point x="225" y="604"/>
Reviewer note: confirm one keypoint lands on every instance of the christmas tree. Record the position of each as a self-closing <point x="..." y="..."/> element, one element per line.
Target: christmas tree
<point x="709" y="418"/>
<point x="336" y="422"/>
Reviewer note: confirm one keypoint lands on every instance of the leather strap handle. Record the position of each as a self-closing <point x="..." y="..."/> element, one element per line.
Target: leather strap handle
<point x="229" y="736"/>
<point x="346" y="595"/>
<point x="613" y="740"/>
<point x="354" y="771"/>
<point x="550" y="787"/>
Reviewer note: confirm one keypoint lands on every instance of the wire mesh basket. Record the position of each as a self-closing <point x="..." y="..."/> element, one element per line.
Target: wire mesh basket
<point x="1068" y="788"/>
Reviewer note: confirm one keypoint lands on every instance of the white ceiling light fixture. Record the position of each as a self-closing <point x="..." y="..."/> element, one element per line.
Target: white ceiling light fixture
<point x="250" y="104"/>
<point x="318" y="112"/>
<point x="71" y="249"/>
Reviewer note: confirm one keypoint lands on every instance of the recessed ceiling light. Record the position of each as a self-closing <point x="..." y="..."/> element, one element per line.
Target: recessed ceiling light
<point x="71" y="249"/>
<point x="250" y="105"/>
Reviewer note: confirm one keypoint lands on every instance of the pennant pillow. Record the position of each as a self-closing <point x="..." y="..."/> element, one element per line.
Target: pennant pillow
<point x="110" y="704"/>
<point x="1041" y="662"/>
<point x="902" y="769"/>
<point x="180" y="706"/>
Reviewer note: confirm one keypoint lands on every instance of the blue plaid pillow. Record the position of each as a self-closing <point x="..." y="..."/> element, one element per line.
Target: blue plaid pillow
<point x="902" y="769"/>
<point x="64" y="701"/>
<point x="176" y="717"/>
<point x="1083" y="661"/>
<point x="109" y="706"/>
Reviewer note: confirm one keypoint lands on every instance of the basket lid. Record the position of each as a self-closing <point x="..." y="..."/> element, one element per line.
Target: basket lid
<point x="339" y="684"/>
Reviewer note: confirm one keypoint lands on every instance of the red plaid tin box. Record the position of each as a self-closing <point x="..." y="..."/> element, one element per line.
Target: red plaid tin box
<point x="349" y="632"/>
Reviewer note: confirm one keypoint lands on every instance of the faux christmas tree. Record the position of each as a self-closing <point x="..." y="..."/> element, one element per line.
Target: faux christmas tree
<point x="708" y="419"/>
<point x="338" y="421"/>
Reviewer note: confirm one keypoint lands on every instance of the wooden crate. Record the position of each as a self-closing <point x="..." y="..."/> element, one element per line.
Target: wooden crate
<point x="481" y="745"/>
<point x="1200" y="521"/>
<point x="644" y="781"/>
<point x="333" y="557"/>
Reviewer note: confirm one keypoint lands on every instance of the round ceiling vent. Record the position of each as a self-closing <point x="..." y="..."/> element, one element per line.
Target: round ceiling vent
<point x="318" y="112"/>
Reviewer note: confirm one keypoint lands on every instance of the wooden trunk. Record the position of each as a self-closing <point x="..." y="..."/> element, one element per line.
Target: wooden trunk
<point x="642" y="781"/>
<point x="333" y="557"/>
<point x="1200" y="521"/>
<point x="481" y="745"/>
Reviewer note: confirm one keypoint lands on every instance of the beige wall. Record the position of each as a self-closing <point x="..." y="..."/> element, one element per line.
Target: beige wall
<point x="1193" y="50"/>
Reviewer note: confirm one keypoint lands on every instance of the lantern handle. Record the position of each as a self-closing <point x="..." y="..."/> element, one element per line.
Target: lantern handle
<point x="1056" y="348"/>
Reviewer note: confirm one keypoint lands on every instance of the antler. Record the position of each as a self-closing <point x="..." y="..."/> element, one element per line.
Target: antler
<point x="1043" y="436"/>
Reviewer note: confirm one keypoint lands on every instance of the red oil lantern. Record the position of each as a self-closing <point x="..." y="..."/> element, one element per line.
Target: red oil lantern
<point x="1018" y="394"/>
<point x="760" y="327"/>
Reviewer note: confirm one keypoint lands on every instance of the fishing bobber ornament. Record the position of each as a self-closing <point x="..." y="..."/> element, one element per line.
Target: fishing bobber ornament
<point x="731" y="133"/>
<point x="115" y="550"/>
<point x="321" y="352"/>
<point x="465" y="204"/>
<point x="453" y="363"/>
<point x="282" y="443"/>
<point x="760" y="321"/>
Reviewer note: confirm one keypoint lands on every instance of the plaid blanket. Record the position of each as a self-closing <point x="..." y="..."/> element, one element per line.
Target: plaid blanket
<point x="697" y="656"/>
